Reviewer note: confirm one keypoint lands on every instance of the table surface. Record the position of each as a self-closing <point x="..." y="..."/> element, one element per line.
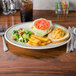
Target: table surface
<point x="53" y="62"/>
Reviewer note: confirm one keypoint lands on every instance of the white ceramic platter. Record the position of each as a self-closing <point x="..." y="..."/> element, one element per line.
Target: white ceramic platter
<point x="28" y="25"/>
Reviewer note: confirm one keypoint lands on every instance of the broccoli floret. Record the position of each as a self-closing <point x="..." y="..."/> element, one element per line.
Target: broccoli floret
<point x="26" y="31"/>
<point x="25" y="36"/>
<point x="17" y="36"/>
<point x="21" y="39"/>
<point x="14" y="32"/>
<point x="26" y="40"/>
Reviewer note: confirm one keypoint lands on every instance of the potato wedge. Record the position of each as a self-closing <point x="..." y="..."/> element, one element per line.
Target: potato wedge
<point x="33" y="44"/>
<point x="40" y="38"/>
<point x="34" y="40"/>
<point x="38" y="41"/>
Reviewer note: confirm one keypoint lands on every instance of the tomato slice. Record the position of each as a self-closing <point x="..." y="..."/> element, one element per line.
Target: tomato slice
<point x="42" y="24"/>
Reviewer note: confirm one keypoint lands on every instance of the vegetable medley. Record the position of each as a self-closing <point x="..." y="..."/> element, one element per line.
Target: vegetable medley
<point x="21" y="35"/>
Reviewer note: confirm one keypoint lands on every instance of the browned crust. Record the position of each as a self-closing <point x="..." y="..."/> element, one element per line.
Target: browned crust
<point x="62" y="40"/>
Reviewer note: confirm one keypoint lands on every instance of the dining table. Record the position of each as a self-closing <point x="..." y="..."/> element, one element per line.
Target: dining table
<point x="31" y="62"/>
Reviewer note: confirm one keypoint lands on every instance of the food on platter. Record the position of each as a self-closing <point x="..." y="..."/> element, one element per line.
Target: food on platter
<point x="43" y="32"/>
<point x="21" y="32"/>
<point x="21" y="35"/>
<point x="38" y="41"/>
<point x="59" y="35"/>
<point x="42" y="27"/>
<point x="40" y="38"/>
